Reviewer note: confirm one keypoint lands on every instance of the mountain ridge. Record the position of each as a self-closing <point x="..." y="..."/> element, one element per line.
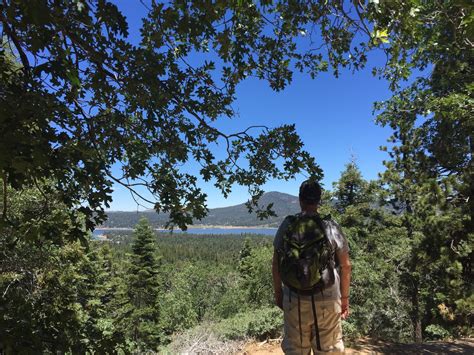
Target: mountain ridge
<point x="237" y="215"/>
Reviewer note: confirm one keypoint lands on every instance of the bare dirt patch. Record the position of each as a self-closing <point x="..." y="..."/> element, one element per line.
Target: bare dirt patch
<point x="368" y="346"/>
<point x="264" y="348"/>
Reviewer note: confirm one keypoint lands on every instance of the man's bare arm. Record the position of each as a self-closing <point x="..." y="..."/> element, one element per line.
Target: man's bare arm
<point x="346" y="267"/>
<point x="277" y="290"/>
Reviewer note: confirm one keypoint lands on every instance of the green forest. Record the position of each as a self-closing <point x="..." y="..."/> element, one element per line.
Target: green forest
<point x="78" y="99"/>
<point x="144" y="291"/>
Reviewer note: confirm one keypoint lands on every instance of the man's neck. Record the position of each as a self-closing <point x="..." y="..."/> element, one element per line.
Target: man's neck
<point x="309" y="211"/>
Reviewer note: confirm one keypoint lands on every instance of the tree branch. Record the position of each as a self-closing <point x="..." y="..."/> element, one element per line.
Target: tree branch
<point x="11" y="34"/>
<point x="361" y="18"/>
<point x="118" y="181"/>
<point x="5" y="199"/>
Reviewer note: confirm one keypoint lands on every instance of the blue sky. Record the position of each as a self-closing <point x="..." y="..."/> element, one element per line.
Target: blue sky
<point x="333" y="117"/>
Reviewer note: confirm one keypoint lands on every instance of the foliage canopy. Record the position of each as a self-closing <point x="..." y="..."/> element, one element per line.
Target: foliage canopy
<point x="80" y="96"/>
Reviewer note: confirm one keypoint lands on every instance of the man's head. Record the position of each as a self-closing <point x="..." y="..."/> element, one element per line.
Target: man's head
<point x="310" y="195"/>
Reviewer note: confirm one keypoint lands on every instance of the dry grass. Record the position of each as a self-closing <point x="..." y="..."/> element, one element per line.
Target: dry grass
<point x="203" y="340"/>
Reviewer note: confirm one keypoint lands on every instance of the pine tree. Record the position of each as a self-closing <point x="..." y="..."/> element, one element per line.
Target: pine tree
<point x="255" y="271"/>
<point x="102" y="291"/>
<point x="431" y="171"/>
<point x="349" y="189"/>
<point x="377" y="244"/>
<point x="47" y="304"/>
<point x="143" y="284"/>
<point x="436" y="222"/>
<point x="244" y="256"/>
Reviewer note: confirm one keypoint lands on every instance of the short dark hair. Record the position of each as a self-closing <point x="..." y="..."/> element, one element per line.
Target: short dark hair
<point x="310" y="192"/>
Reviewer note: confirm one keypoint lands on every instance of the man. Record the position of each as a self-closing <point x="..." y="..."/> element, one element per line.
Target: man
<point x="331" y="304"/>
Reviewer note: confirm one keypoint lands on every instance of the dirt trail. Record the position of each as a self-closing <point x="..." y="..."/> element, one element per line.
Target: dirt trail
<point x="463" y="346"/>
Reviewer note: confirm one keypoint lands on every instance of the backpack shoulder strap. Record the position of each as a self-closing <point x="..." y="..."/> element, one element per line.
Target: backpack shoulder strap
<point x="328" y="223"/>
<point x="327" y="217"/>
<point x="292" y="220"/>
<point x="319" y="221"/>
<point x="323" y="223"/>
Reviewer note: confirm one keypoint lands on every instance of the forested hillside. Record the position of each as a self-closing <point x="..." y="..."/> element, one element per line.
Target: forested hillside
<point x="283" y="205"/>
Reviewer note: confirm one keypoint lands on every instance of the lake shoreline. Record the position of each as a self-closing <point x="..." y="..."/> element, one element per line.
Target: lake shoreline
<point x="198" y="226"/>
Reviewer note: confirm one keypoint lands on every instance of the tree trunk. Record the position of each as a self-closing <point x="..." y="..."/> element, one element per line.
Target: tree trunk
<point x="415" y="317"/>
<point x="471" y="184"/>
<point x="414" y="292"/>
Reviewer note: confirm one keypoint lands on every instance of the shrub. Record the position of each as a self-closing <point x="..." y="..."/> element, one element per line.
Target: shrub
<point x="261" y="323"/>
<point x="350" y="331"/>
<point x="435" y="332"/>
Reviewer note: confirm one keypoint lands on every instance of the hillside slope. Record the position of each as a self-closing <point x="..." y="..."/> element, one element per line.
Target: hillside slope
<point x="283" y="205"/>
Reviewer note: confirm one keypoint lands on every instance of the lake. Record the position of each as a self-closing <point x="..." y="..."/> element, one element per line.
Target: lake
<point x="217" y="231"/>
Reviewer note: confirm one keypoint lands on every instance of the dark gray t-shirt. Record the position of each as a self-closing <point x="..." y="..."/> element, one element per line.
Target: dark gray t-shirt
<point x="339" y="242"/>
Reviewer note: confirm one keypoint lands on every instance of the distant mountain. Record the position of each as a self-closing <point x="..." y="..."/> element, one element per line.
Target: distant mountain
<point x="283" y="205"/>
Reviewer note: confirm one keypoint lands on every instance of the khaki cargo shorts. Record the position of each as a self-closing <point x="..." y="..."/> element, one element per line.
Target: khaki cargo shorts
<point x="329" y="321"/>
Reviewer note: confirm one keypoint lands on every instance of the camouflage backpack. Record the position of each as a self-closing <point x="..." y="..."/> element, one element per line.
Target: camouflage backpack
<point x="306" y="258"/>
